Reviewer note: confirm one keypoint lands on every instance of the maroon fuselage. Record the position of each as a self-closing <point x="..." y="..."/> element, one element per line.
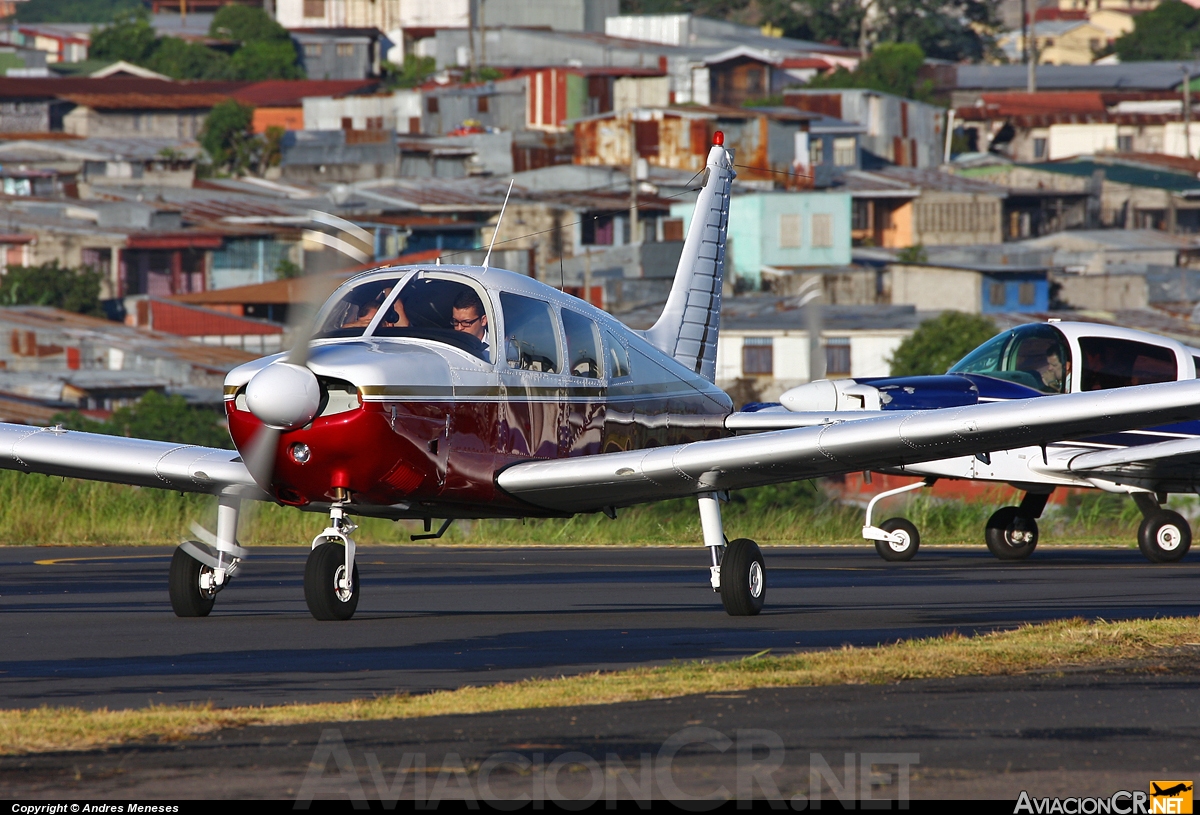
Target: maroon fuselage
<point x="441" y="457"/>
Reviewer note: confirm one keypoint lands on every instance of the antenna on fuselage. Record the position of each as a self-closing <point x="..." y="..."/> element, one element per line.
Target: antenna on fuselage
<point x="496" y="231"/>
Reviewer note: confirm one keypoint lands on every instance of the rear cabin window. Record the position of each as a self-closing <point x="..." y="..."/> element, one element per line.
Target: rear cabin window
<point x="618" y="357"/>
<point x="1112" y="363"/>
<point x="583" y="342"/>
<point x="1032" y="355"/>
<point x="530" y="340"/>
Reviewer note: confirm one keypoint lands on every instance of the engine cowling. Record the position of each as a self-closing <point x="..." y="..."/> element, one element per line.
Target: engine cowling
<point x="831" y="395"/>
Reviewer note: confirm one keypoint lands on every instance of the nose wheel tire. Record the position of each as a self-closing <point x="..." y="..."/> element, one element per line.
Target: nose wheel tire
<point x="905" y="548"/>
<point x="188" y="599"/>
<point x="1009" y="536"/>
<point x="324" y="583"/>
<point x="1164" y="537"/>
<point x="743" y="578"/>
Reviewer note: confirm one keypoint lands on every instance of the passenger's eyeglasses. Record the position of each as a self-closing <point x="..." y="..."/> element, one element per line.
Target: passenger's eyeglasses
<point x="465" y="323"/>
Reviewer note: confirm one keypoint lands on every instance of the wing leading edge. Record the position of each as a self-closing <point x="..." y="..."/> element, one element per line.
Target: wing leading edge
<point x="140" y="462"/>
<point x="591" y="483"/>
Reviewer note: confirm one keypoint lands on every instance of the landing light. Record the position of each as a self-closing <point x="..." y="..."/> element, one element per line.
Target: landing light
<point x="300" y="453"/>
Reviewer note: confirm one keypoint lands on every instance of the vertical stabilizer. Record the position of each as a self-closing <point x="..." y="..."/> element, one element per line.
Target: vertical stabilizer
<point x="687" y="329"/>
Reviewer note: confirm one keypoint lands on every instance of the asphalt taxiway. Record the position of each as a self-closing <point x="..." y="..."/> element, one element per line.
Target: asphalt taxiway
<point x="92" y="627"/>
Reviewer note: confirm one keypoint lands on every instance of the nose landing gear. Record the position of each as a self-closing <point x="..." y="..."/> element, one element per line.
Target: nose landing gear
<point x="331" y="587"/>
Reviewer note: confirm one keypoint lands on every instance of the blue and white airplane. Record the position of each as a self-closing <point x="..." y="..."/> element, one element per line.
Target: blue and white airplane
<point x="1030" y="361"/>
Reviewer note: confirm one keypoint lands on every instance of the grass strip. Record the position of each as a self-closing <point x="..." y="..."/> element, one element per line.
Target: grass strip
<point x="1055" y="645"/>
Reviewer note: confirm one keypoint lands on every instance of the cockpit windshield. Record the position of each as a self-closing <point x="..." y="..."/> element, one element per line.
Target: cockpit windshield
<point x="429" y="306"/>
<point x="1035" y="356"/>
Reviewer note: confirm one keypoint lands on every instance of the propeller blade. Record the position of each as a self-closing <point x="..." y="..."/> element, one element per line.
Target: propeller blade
<point x="259" y="457"/>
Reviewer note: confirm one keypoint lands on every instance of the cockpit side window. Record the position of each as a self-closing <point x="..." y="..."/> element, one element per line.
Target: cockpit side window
<point x="435" y="308"/>
<point x="353" y="313"/>
<point x="530" y="338"/>
<point x="1035" y="356"/>
<point x="1114" y="363"/>
<point x="583" y="340"/>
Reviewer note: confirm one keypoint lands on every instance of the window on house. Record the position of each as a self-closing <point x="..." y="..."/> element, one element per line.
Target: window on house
<point x="822" y="231"/>
<point x="860" y="214"/>
<point x="997" y="294"/>
<point x="314" y="8"/>
<point x="347" y="123"/>
<point x="672" y="229"/>
<point x="374" y="123"/>
<point x="313" y="50"/>
<point x="845" y="153"/>
<point x="1125" y="144"/>
<point x="431" y="104"/>
<point x="837" y="356"/>
<point x="1039" y="148"/>
<point x="758" y="356"/>
<point x="1027" y="293"/>
<point x="345" y="49"/>
<point x="816" y="153"/>
<point x="789" y="231"/>
<point x="481" y="104"/>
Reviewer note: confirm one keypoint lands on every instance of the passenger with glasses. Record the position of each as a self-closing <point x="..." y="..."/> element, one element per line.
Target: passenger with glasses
<point x="468" y="316"/>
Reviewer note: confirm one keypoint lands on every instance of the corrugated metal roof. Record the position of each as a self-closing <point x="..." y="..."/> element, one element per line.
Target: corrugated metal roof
<point x="1132" y="75"/>
<point x="193" y="321"/>
<point x="1122" y="174"/>
<point x="276" y="93"/>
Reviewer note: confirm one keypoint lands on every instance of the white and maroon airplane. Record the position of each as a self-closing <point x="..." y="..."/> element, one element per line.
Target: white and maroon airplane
<point x="467" y="392"/>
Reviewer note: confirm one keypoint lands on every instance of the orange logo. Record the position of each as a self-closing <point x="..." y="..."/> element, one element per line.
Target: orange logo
<point x="1170" y="797"/>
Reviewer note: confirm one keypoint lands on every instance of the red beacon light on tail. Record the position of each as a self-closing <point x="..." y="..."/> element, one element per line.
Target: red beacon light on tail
<point x="718" y="138"/>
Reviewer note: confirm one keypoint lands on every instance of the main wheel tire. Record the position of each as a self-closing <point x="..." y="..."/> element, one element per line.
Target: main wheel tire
<point x="324" y="570"/>
<point x="743" y="578"/>
<point x="1164" y="537"/>
<point x="1009" y="536"/>
<point x="906" y="547"/>
<point x="187" y="598"/>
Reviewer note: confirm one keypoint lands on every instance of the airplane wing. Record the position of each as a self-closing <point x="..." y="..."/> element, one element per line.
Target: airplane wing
<point x="1174" y="460"/>
<point x="591" y="483"/>
<point x="783" y="419"/>
<point x="141" y="462"/>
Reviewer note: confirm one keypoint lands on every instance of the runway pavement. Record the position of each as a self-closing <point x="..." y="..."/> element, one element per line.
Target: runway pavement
<point x="92" y="626"/>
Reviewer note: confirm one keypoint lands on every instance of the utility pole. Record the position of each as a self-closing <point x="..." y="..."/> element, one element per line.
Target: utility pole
<point x="1187" y="110"/>
<point x="474" y="64"/>
<point x="1024" y="33"/>
<point x="1031" y="45"/>
<point x="635" y="239"/>
<point x="482" y="36"/>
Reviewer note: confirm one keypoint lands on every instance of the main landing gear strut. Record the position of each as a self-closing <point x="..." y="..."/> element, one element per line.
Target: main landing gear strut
<point x="737" y="569"/>
<point x="1164" y="536"/>
<point x="200" y="569"/>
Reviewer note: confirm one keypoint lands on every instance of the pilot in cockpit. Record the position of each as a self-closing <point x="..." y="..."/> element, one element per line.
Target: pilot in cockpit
<point x="395" y="316"/>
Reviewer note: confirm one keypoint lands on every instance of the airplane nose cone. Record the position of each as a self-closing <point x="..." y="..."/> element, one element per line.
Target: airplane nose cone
<point x="284" y="396"/>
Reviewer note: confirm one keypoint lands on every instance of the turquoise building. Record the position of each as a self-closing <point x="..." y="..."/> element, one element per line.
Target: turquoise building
<point x="782" y="230"/>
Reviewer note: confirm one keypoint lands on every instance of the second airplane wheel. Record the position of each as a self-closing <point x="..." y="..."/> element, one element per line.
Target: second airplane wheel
<point x="743" y="578"/>
<point x="187" y="598"/>
<point x="1009" y="536"/>
<point x="905" y="548"/>
<point x="323" y="591"/>
<point x="1164" y="537"/>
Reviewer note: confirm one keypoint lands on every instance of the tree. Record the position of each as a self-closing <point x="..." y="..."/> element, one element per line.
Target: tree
<point x="159" y="417"/>
<point x="891" y="67"/>
<point x="75" y="290"/>
<point x="1170" y="31"/>
<point x="939" y="343"/>
<point x="414" y="71"/>
<point x="73" y="11"/>
<point x="187" y="60"/>
<point x="130" y="37"/>
<point x="256" y="61"/>
<point x="246" y="24"/>
<point x="227" y="136"/>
